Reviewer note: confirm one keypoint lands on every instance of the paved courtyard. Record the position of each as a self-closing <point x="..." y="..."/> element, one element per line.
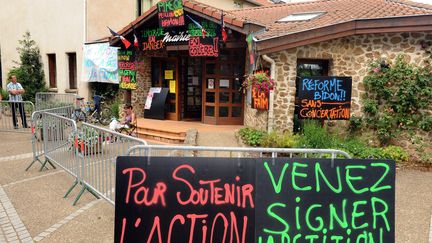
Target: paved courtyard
<point x="32" y="207"/>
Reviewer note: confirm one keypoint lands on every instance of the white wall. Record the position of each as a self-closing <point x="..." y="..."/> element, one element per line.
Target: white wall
<point x="56" y="26"/>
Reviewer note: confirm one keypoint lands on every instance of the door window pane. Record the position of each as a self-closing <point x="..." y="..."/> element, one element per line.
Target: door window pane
<point x="211" y="68"/>
<point x="236" y="111"/>
<point x="210" y="97"/>
<point x="237" y="83"/>
<point x="210" y="111"/>
<point x="225" y="69"/>
<point x="223" y="111"/>
<point x="237" y="97"/>
<point x="224" y="97"/>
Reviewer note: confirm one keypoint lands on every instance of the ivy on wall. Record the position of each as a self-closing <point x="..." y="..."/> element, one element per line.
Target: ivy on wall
<point x="398" y="97"/>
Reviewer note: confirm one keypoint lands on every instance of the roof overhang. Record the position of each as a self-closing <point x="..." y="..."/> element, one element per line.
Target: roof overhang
<point x="361" y="26"/>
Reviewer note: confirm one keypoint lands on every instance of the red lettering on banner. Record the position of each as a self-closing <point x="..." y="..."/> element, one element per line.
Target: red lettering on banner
<point x="156" y="225"/>
<point x="196" y="48"/>
<point x="225" y="223"/>
<point x="126" y="65"/>
<point x="145" y="198"/>
<point x="239" y="195"/>
<point x="177" y="217"/>
<point x="123" y="230"/>
<point x="193" y="218"/>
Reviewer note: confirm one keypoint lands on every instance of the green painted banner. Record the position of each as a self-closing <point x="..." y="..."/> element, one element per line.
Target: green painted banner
<point x="127" y="69"/>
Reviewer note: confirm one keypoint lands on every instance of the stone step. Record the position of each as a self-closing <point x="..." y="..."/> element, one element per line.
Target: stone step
<point x="161" y="137"/>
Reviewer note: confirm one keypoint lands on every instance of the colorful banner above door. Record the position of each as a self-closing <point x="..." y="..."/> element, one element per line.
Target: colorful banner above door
<point x="127" y="69"/>
<point x="157" y="39"/>
<point x="170" y="13"/>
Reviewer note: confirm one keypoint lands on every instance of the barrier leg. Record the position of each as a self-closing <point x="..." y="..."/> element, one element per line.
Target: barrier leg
<point x="44" y="165"/>
<point x="31" y="164"/>
<point x="83" y="189"/>
<point x="79" y="196"/>
<point x="70" y="189"/>
<point x="49" y="162"/>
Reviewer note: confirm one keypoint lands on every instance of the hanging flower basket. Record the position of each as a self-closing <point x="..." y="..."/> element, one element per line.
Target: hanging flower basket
<point x="259" y="80"/>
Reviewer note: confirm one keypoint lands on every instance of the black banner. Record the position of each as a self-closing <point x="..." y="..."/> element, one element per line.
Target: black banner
<point x="327" y="98"/>
<point x="169" y="199"/>
<point x="184" y="200"/>
<point x="204" y="47"/>
<point x="315" y="200"/>
<point x="127" y="69"/>
<point x="170" y="13"/>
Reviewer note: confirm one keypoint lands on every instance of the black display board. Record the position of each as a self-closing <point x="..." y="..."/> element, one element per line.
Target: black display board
<point x="157" y="108"/>
<point x="281" y="199"/>
<point x="170" y="13"/>
<point x="325" y="98"/>
<point x="184" y="200"/>
<point x="298" y="200"/>
<point x="127" y="69"/>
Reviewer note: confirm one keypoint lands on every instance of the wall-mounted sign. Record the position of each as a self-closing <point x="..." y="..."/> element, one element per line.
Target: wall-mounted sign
<point x="152" y="39"/>
<point x="127" y="69"/>
<point x="260" y="99"/>
<point x="210" y="28"/>
<point x="210" y="83"/>
<point x="169" y="74"/>
<point x="203" y="47"/>
<point x="172" y="86"/>
<point x="246" y="200"/>
<point x="224" y="83"/>
<point x="170" y="13"/>
<point x="100" y="63"/>
<point x="327" y="98"/>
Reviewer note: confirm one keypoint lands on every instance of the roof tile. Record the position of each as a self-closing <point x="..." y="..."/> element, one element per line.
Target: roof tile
<point x="337" y="11"/>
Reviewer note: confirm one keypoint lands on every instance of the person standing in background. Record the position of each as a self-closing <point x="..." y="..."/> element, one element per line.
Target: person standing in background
<point x="16" y="90"/>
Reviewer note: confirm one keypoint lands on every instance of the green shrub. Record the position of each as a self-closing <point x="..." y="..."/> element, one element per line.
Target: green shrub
<point x="250" y="136"/>
<point x="371" y="153"/>
<point x="30" y="70"/>
<point x="115" y="108"/>
<point x="315" y="136"/>
<point x="4" y="94"/>
<point x="355" y="124"/>
<point x="426" y="124"/>
<point x="370" y="106"/>
<point x="352" y="146"/>
<point x="277" y="140"/>
<point x="395" y="153"/>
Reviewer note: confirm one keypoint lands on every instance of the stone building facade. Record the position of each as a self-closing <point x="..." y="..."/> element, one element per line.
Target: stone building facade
<point x="347" y="56"/>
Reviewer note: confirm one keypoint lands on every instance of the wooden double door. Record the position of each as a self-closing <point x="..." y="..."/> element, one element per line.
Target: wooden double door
<point x="202" y="89"/>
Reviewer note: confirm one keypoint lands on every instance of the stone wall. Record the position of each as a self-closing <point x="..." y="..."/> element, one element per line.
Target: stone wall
<point x="143" y="84"/>
<point x="348" y="56"/>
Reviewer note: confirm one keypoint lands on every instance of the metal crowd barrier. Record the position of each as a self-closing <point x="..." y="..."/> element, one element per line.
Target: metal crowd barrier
<point x="233" y="152"/>
<point x="87" y="152"/>
<point x="46" y="100"/>
<point x="98" y="149"/>
<point x="37" y="133"/>
<point x="15" y="115"/>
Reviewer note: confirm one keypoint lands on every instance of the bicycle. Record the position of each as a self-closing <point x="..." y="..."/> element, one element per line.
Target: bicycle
<point x="92" y="112"/>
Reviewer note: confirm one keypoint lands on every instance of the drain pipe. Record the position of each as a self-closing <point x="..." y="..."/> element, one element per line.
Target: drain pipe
<point x="270" y="122"/>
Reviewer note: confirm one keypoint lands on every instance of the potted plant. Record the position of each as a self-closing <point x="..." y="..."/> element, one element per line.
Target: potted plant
<point x="259" y="84"/>
<point x="259" y="80"/>
<point x="88" y="141"/>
